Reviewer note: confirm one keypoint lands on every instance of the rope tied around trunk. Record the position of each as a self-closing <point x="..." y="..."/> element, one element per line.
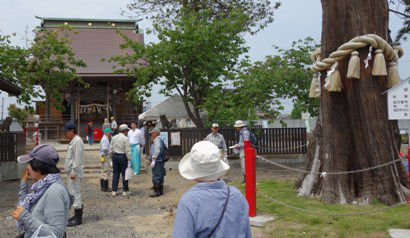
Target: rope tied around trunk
<point x="383" y="51"/>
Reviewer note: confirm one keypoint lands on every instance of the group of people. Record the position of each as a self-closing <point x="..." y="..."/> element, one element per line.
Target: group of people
<point x="89" y="129"/>
<point x="209" y="209"/>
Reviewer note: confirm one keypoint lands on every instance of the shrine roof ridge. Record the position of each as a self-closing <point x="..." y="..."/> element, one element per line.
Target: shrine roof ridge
<point x="85" y="19"/>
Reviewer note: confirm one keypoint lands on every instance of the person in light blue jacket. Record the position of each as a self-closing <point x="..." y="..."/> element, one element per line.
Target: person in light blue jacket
<point x="211" y="208"/>
<point x="49" y="202"/>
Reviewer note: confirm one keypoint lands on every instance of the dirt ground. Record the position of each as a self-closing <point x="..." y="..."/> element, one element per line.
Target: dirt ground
<point x="135" y="216"/>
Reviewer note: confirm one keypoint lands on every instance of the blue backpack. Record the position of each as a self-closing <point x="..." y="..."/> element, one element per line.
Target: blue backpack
<point x="164" y="151"/>
<point x="252" y="138"/>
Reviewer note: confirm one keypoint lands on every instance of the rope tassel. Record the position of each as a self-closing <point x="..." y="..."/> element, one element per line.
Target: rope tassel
<point x="313" y="87"/>
<point x="393" y="76"/>
<point x="335" y="82"/>
<point x="353" y="71"/>
<point x="379" y="64"/>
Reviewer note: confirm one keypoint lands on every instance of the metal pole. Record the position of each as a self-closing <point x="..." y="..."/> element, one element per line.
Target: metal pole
<point x="250" y="175"/>
<point x="108" y="100"/>
<point x="78" y="110"/>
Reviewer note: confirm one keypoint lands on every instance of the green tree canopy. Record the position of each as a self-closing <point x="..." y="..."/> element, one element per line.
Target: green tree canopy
<point x="49" y="62"/>
<point x="166" y="12"/>
<point x="194" y="58"/>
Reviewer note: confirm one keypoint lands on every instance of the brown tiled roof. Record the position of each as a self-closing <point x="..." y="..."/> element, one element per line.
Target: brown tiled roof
<point x="92" y="45"/>
<point x="96" y="39"/>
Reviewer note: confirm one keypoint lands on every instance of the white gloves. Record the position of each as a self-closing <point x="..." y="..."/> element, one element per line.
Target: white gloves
<point x="152" y="164"/>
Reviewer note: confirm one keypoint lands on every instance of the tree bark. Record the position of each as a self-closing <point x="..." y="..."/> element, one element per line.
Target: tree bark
<point x="353" y="129"/>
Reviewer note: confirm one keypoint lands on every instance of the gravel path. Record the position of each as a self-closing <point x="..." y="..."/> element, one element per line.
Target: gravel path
<point x="135" y="216"/>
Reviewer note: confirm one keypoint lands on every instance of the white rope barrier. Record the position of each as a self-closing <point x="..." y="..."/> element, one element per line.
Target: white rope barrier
<point x="329" y="173"/>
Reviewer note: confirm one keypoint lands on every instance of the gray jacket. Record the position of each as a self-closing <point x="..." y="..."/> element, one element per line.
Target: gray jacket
<point x="51" y="210"/>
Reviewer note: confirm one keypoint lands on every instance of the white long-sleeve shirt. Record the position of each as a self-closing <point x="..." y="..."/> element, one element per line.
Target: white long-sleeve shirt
<point x="75" y="157"/>
<point x="135" y="136"/>
<point x="120" y="145"/>
<point x="104" y="146"/>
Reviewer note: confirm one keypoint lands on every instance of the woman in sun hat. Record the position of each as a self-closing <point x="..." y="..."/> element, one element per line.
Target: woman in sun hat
<point x="49" y="202"/>
<point x="211" y="208"/>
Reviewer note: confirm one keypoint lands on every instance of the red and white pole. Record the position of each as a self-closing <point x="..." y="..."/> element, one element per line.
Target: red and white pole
<point x="250" y="172"/>
<point x="36" y="135"/>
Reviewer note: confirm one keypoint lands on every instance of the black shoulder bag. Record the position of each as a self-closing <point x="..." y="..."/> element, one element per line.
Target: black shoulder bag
<point x="223" y="212"/>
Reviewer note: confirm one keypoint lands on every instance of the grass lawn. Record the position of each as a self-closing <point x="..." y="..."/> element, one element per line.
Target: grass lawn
<point x="292" y="223"/>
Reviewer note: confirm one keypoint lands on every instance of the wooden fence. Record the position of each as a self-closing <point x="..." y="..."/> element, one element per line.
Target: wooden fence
<point x="270" y="140"/>
<point x="11" y="146"/>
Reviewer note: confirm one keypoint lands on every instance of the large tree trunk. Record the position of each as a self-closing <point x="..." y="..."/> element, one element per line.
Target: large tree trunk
<point x="353" y="131"/>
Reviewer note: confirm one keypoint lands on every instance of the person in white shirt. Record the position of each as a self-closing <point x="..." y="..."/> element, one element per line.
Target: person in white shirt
<point x="114" y="126"/>
<point x="105" y="162"/>
<point x="120" y="154"/>
<point x="135" y="138"/>
<point x="74" y="168"/>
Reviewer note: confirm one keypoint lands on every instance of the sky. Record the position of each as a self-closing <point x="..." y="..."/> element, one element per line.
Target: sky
<point x="294" y="20"/>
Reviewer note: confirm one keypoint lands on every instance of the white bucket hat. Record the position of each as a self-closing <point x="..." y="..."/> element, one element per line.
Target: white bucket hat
<point x="203" y="162"/>
<point x="239" y="123"/>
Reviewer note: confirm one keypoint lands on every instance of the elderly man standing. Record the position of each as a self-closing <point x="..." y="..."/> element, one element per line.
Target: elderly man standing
<point x="136" y="141"/>
<point x="120" y="154"/>
<point x="74" y="169"/>
<point x="105" y="161"/>
<point x="218" y="140"/>
<point x="157" y="162"/>
<point x="244" y="135"/>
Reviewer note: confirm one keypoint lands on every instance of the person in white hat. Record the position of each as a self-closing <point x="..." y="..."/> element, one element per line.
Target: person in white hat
<point x="244" y="135"/>
<point x="211" y="208"/>
<point x="218" y="140"/>
<point x="120" y="154"/>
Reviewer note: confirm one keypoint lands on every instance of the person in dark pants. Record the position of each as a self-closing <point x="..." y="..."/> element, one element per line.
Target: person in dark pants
<point x="90" y="132"/>
<point x="157" y="163"/>
<point x="120" y="154"/>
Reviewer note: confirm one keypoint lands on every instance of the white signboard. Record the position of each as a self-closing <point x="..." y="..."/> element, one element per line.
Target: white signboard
<point x="398" y="101"/>
<point x="175" y="138"/>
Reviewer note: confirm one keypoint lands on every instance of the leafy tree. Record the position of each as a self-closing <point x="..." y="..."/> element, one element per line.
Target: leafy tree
<point x="250" y="92"/>
<point x="297" y="110"/>
<point x="194" y="58"/>
<point x="402" y="9"/>
<point x="165" y="12"/>
<point x="20" y="114"/>
<point x="49" y="62"/>
<point x="284" y="75"/>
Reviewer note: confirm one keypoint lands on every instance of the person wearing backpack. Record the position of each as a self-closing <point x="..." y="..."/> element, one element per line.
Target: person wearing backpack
<point x="157" y="158"/>
<point x="244" y="135"/>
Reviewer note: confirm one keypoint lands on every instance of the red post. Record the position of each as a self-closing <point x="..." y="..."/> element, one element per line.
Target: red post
<point x="408" y="164"/>
<point x="250" y="172"/>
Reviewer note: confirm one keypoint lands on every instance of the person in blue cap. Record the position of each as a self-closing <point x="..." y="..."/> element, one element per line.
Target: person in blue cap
<point x="45" y="209"/>
<point x="104" y="159"/>
<point x="74" y="169"/>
